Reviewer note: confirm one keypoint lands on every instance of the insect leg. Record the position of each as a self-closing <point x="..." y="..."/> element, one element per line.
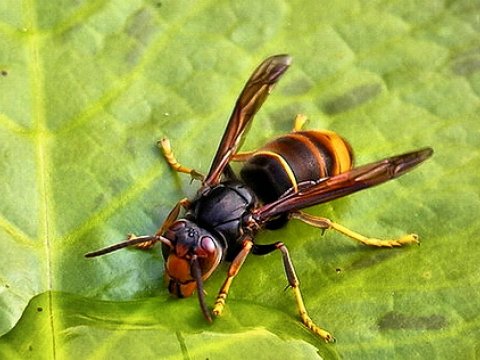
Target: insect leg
<point x="324" y="223"/>
<point x="298" y="122"/>
<point x="172" y="216"/>
<point x="232" y="272"/>
<point x="164" y="144"/>
<point x="295" y="285"/>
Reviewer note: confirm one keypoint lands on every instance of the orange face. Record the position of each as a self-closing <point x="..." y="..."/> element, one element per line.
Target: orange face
<point x="178" y="273"/>
<point x="191" y="246"/>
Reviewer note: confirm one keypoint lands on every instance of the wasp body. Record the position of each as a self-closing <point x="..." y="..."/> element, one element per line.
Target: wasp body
<point x="292" y="172"/>
<point x="296" y="158"/>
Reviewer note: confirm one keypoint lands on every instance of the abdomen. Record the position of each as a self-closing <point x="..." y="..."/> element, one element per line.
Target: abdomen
<point x="295" y="158"/>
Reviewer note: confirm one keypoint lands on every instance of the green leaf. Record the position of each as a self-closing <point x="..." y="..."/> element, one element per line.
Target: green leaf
<point x="89" y="86"/>
<point x="104" y="329"/>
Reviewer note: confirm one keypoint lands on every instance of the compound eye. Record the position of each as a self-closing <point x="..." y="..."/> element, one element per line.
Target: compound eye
<point x="208" y="244"/>
<point x="209" y="254"/>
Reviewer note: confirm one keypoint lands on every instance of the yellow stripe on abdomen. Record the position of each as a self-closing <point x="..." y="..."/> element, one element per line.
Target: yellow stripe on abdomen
<point x="339" y="150"/>
<point x="284" y="164"/>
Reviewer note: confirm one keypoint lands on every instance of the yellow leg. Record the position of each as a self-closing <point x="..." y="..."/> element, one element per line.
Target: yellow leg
<point x="164" y="144"/>
<point x="293" y="282"/>
<point x="232" y="272"/>
<point x="324" y="223"/>
<point x="307" y="320"/>
<point x="145" y="245"/>
<point x="295" y="285"/>
<point x="172" y="216"/>
<point x="299" y="121"/>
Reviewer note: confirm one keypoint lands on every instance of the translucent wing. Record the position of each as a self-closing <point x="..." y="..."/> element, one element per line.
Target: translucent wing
<point x="252" y="97"/>
<point x="343" y="184"/>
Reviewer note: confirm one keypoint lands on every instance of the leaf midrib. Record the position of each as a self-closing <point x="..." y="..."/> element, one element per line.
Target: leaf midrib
<point x="35" y="71"/>
<point x="34" y="41"/>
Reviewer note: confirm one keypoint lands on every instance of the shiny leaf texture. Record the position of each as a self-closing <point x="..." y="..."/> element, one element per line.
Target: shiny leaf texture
<point x="88" y="87"/>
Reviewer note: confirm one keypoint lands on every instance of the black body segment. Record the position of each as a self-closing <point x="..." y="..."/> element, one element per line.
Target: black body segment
<point x="305" y="156"/>
<point x="221" y="211"/>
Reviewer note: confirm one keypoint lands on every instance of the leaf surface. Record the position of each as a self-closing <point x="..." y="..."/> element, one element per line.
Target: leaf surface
<point x="89" y="87"/>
